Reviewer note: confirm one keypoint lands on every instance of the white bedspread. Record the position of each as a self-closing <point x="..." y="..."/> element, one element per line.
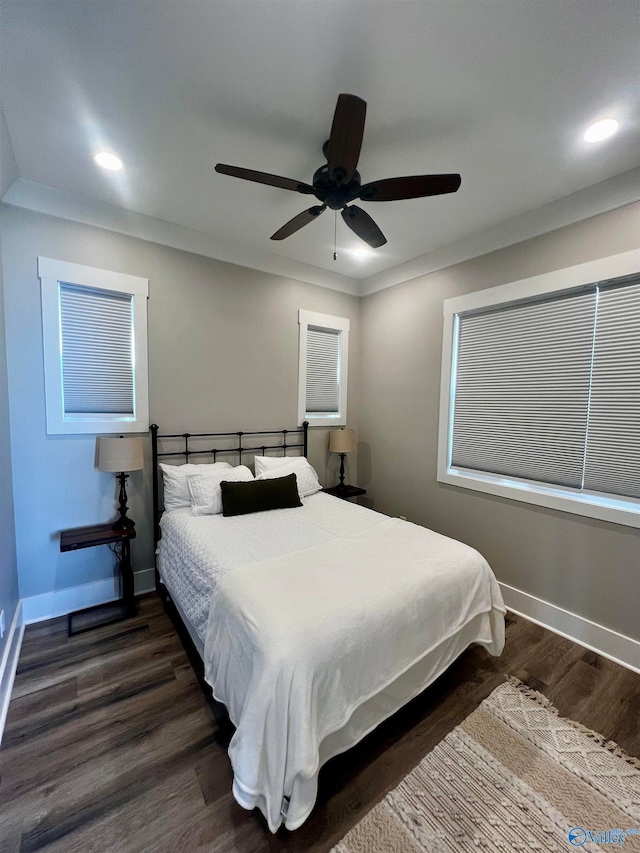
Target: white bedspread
<point x="295" y="643"/>
<point x="195" y="552"/>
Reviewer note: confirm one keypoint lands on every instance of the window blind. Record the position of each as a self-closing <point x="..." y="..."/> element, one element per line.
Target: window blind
<point x="613" y="437"/>
<point x="521" y="399"/>
<point x="97" y="350"/>
<point x="323" y="370"/>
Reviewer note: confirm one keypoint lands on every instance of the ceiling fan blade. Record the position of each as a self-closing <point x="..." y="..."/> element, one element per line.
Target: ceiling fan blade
<point x="345" y="142"/>
<point x="299" y="222"/>
<point x="264" y="178"/>
<point x="363" y="225"/>
<point x="412" y="186"/>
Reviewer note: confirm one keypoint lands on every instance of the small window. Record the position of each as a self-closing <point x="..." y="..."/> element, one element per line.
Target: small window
<point x="541" y="391"/>
<point x="95" y="347"/>
<point x="322" y="390"/>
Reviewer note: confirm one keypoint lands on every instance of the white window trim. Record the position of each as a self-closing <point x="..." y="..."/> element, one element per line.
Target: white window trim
<point x="52" y="273"/>
<point x="326" y="321"/>
<point x="592" y="504"/>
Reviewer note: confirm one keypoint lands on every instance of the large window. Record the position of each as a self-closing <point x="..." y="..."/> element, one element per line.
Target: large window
<point x="541" y="390"/>
<point x="95" y="349"/>
<point x="322" y="383"/>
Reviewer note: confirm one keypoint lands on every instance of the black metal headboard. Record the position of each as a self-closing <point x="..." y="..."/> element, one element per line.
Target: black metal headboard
<point x="192" y="444"/>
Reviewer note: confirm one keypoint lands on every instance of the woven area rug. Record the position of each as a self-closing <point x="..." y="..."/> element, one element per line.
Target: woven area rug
<point x="513" y="776"/>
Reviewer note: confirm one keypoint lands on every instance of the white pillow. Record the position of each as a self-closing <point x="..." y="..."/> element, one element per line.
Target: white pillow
<point x="174" y="481"/>
<point x="268" y="463"/>
<point x="306" y="477"/>
<point x="204" y="487"/>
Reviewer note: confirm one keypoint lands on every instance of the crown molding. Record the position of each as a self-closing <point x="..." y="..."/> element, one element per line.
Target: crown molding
<point x="616" y="192"/>
<point x="88" y="211"/>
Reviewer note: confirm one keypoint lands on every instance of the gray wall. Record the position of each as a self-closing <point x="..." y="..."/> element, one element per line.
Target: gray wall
<point x="223" y="355"/>
<point x="8" y="166"/>
<point x="589" y="567"/>
<point x="8" y="567"/>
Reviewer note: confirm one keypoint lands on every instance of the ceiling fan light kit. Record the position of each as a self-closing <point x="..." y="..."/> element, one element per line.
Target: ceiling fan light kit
<point x="337" y="184"/>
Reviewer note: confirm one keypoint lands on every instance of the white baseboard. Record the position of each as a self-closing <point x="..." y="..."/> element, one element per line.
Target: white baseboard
<point x="144" y="581"/>
<point x="9" y="663"/>
<point x="62" y="601"/>
<point x="610" y="644"/>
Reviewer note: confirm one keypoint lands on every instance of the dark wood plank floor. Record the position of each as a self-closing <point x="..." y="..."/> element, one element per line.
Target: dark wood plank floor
<point x="111" y="746"/>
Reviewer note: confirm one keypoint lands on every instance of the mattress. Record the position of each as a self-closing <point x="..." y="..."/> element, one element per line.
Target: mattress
<point x="316" y="624"/>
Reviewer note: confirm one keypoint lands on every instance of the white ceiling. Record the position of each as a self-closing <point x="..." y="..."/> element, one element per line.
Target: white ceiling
<point x="500" y="92"/>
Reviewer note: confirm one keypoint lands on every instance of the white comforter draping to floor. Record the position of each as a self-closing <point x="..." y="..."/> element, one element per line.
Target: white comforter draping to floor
<point x="296" y="643"/>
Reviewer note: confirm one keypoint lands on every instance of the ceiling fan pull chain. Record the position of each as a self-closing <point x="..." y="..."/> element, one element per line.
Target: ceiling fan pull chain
<point x="335" y="235"/>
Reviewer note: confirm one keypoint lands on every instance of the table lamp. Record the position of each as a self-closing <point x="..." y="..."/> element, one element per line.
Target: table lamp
<point x="342" y="441"/>
<point x="119" y="455"/>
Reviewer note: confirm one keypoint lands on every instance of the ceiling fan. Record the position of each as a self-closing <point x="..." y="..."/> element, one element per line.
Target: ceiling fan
<point x="337" y="183"/>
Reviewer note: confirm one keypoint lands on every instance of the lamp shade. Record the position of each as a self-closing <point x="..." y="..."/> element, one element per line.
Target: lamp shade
<point x="342" y="441"/>
<point x="120" y="454"/>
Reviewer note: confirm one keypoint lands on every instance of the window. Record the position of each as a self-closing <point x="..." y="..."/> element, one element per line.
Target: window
<point x="541" y="390"/>
<point x="95" y="349"/>
<point x="322" y="383"/>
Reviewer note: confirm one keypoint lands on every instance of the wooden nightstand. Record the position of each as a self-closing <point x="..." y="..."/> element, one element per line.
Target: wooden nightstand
<point x="345" y="493"/>
<point x="119" y="542"/>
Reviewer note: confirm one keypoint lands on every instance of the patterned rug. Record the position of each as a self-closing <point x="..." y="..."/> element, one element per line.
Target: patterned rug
<point x="513" y="776"/>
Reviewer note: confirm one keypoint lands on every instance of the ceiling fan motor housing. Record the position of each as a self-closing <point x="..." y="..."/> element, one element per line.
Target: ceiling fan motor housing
<point x="333" y="193"/>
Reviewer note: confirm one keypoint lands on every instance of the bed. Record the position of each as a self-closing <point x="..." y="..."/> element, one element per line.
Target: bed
<point x="314" y="623"/>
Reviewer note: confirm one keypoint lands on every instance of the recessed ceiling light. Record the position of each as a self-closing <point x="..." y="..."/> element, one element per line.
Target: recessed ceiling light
<point x="600" y="130"/>
<point x="362" y="253"/>
<point x="108" y="161"/>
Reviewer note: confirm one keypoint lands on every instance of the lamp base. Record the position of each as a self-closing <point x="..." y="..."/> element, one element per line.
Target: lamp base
<point x="123" y="523"/>
<point x="341" y="485"/>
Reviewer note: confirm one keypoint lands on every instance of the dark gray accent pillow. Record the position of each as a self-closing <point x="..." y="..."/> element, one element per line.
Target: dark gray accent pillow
<point x="259" y="495"/>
